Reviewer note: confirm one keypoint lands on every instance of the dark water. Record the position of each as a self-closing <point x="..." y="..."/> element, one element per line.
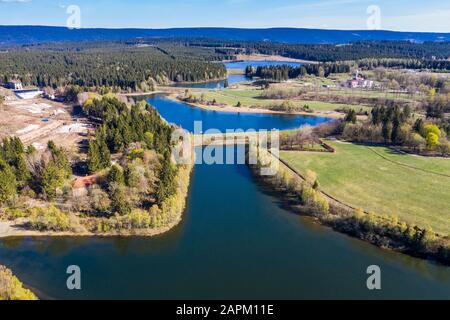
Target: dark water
<point x="232" y="79"/>
<point x="236" y="78"/>
<point x="236" y="241"/>
<point x="185" y="115"/>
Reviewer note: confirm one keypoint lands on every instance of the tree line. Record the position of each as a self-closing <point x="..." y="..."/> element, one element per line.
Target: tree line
<point x="25" y="171"/>
<point x="129" y="68"/>
<point x="393" y="125"/>
<point x="332" y="52"/>
<point x="286" y="72"/>
<point x="419" y="64"/>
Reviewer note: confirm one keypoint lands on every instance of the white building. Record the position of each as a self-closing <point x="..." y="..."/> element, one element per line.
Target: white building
<point x="359" y="81"/>
<point x="14" y="85"/>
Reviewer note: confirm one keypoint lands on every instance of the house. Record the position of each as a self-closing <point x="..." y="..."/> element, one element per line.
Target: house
<point x="82" y="185"/>
<point x="358" y="81"/>
<point x="14" y="85"/>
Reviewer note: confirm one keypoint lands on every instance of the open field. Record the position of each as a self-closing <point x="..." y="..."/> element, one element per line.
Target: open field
<point x="371" y="94"/>
<point x="380" y="180"/>
<point x="36" y="121"/>
<point x="316" y="87"/>
<point x="251" y="98"/>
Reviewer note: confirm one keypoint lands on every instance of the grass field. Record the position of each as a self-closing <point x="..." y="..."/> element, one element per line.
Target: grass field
<point x="382" y="181"/>
<point x="251" y="98"/>
<point x="370" y="94"/>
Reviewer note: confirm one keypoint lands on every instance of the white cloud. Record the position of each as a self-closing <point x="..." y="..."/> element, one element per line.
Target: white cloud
<point x="15" y="1"/>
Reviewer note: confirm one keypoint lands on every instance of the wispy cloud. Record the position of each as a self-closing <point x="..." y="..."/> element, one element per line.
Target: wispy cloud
<point x="15" y="1"/>
<point x="322" y="4"/>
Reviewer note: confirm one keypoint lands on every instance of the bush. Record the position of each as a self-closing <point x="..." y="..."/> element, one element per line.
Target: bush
<point x="139" y="219"/>
<point x="49" y="219"/>
<point x="11" y="288"/>
<point x="14" y="213"/>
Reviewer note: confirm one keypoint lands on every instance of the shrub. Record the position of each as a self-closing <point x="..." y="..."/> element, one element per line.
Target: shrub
<point x="49" y="219"/>
<point x="139" y="219"/>
<point x="14" y="213"/>
<point x="11" y="288"/>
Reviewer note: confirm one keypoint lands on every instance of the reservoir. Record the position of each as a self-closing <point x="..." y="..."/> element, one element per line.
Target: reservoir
<point x="236" y="241"/>
<point x="236" y="77"/>
<point x="184" y="115"/>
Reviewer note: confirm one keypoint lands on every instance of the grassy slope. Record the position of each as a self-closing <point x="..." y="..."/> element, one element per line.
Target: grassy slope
<point x="362" y="178"/>
<point x="249" y="98"/>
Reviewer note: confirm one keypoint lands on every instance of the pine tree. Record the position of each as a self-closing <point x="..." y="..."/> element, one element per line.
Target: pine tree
<point x="94" y="161"/>
<point x="116" y="175"/>
<point x="22" y="173"/>
<point x="60" y="160"/>
<point x="387" y="130"/>
<point x="50" y="180"/>
<point x="105" y="154"/>
<point x="8" y="184"/>
<point x="351" y="116"/>
<point x="166" y="185"/>
<point x="119" y="200"/>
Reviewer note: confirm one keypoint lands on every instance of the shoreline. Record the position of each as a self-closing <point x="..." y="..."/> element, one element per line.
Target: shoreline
<point x="10" y="229"/>
<point x="13" y="229"/>
<point x="248" y="110"/>
<point x="266" y="57"/>
<point x="341" y="213"/>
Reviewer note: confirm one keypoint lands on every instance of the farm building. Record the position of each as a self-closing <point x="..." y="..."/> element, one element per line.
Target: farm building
<point x="14" y="85"/>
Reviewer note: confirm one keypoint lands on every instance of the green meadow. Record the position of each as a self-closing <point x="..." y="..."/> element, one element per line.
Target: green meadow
<point x="383" y="181"/>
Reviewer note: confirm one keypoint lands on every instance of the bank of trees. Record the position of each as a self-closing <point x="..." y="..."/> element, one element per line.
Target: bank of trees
<point x="26" y="171"/>
<point x="396" y="126"/>
<point x="286" y="72"/>
<point x="132" y="69"/>
<point x="332" y="52"/>
<point x="443" y="65"/>
<point x="386" y="231"/>
<point x="145" y="173"/>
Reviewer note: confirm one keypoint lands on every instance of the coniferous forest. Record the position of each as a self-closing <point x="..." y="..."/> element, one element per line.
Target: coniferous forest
<point x="131" y="67"/>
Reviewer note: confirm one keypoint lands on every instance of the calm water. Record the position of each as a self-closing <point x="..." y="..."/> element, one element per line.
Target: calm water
<point x="236" y="241"/>
<point x="185" y="115"/>
<point x="236" y="78"/>
<point x="232" y="79"/>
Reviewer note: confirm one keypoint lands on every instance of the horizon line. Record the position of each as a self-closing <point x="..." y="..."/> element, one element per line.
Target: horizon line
<point x="221" y="27"/>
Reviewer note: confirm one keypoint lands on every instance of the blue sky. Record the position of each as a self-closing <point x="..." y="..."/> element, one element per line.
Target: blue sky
<point x="403" y="15"/>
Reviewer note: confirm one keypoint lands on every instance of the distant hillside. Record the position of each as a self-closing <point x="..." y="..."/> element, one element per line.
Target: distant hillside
<point x="37" y="34"/>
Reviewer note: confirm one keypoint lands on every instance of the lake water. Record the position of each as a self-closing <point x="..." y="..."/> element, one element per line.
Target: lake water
<point x="236" y="78"/>
<point x="185" y="115"/>
<point x="236" y="242"/>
